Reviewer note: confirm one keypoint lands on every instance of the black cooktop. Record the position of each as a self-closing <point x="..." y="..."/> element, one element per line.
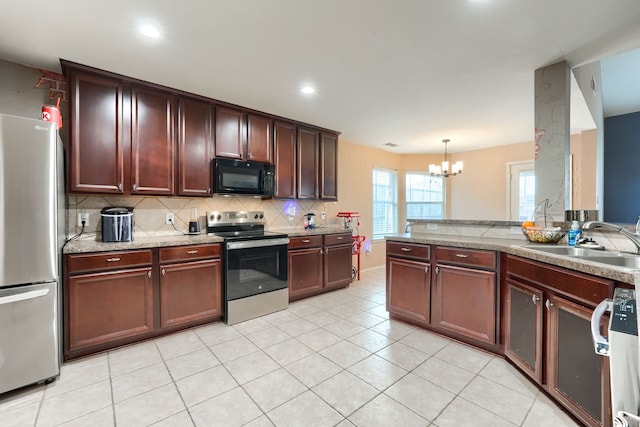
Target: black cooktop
<point x="243" y="232"/>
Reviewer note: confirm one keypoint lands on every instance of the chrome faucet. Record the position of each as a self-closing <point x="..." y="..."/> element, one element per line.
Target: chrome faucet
<point x="634" y="237"/>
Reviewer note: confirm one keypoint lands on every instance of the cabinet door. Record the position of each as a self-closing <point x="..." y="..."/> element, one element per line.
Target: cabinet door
<point x="307" y="164"/>
<point x="195" y="147"/>
<point x="464" y="302"/>
<point x="523" y="327"/>
<point x="97" y="137"/>
<point x="285" y="159"/>
<point x="329" y="166"/>
<point x="152" y="142"/>
<point x="106" y="308"/>
<point x="305" y="271"/>
<point x="190" y="292"/>
<point x="230" y="131"/>
<point x="576" y="375"/>
<point x="259" y="139"/>
<point x="337" y="265"/>
<point x="408" y="288"/>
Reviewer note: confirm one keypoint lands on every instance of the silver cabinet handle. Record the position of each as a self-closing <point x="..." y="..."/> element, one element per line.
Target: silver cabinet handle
<point x="163" y="271"/>
<point x="306" y="241"/>
<point x="548" y="304"/>
<point x="535" y="299"/>
<point x="192" y="252"/>
<point x="135" y="187"/>
<point x="120" y="187"/>
<point x="462" y="256"/>
<point x="405" y="249"/>
<point x="426" y="269"/>
<point x="437" y="270"/>
<point x="149" y="274"/>
<point x="339" y="238"/>
<point x="116" y="259"/>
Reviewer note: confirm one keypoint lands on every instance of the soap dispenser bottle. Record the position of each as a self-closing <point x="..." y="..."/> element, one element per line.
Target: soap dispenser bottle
<point x="574" y="233"/>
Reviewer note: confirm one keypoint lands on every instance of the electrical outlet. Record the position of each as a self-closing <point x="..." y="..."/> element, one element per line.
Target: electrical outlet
<point x="83" y="217"/>
<point x="169" y="219"/>
<point x="323" y="215"/>
<point x="432" y="226"/>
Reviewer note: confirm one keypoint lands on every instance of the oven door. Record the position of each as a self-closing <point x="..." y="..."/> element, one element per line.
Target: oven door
<point x="254" y="267"/>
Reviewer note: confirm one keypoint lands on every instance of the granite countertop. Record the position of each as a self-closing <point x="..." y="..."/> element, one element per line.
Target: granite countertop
<point x="524" y="249"/>
<point x="94" y="245"/>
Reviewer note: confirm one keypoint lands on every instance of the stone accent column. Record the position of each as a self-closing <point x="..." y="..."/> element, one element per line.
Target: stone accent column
<point x="552" y="105"/>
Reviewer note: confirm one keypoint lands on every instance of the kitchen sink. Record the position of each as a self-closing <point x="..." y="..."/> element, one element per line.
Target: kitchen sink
<point x="618" y="260"/>
<point x="564" y="250"/>
<point x="615" y="259"/>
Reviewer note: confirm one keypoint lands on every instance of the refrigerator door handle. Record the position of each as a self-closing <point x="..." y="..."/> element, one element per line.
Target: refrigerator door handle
<point x="22" y="296"/>
<point x="600" y="343"/>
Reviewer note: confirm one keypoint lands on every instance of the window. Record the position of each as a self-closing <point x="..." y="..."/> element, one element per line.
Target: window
<point x="385" y="202"/>
<point x="425" y="196"/>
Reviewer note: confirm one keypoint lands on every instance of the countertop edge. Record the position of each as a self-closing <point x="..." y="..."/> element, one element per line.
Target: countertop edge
<point x="148" y="242"/>
<point x="524" y="249"/>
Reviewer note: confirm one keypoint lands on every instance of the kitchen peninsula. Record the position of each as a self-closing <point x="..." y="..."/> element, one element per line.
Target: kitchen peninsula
<point x="507" y="296"/>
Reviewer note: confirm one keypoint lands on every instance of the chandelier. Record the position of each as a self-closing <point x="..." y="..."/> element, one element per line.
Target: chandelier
<point x="443" y="169"/>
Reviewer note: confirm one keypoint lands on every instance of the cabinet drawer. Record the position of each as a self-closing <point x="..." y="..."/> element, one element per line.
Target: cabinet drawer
<point x="408" y="250"/>
<point x="589" y="290"/>
<point x="191" y="252"/>
<point x="469" y="257"/>
<point x="337" y="239"/>
<point x="305" y="242"/>
<point x="107" y="261"/>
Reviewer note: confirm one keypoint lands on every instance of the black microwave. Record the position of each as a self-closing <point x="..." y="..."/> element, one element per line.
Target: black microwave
<point x="232" y="176"/>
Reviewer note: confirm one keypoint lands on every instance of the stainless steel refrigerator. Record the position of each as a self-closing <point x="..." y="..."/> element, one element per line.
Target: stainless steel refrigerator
<point x="32" y="234"/>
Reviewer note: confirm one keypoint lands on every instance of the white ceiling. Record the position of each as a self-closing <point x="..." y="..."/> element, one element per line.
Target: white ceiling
<point x="411" y="72"/>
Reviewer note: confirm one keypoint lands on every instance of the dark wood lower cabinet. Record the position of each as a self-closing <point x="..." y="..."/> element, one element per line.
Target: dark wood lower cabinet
<point x="548" y="335"/>
<point x="576" y="375"/>
<point x="408" y="288"/>
<point x="464" y="302"/>
<point x="108" y="307"/>
<point x="117" y="298"/>
<point x="305" y="271"/>
<point x="523" y="327"/>
<point x="190" y="292"/>
<point x="318" y="264"/>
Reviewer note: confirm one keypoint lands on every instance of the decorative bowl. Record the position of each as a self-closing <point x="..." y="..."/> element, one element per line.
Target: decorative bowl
<point x="538" y="235"/>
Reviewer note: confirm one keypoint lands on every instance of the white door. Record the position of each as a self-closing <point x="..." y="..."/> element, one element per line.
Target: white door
<point x="522" y="184"/>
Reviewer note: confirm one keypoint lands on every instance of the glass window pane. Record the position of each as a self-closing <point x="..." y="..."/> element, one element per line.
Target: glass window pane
<point x="385" y="202"/>
<point x="424" y="196"/>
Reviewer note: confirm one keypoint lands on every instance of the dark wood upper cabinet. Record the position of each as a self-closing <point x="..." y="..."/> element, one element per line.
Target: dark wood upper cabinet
<point x="230" y="133"/>
<point x="307" y="163"/>
<point x="328" y="166"/>
<point x="132" y="137"/>
<point x="97" y="139"/>
<point x="152" y="141"/>
<point x="195" y="147"/>
<point x="259" y="139"/>
<point x="285" y="159"/>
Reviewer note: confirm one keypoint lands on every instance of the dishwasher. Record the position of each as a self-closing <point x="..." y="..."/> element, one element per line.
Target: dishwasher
<point x="623" y="349"/>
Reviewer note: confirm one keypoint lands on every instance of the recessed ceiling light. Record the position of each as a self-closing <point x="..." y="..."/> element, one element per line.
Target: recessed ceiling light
<point x="150" y="31"/>
<point x="308" y="90"/>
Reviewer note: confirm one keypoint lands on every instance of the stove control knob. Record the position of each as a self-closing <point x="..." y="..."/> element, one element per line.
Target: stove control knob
<point x="255" y="216"/>
<point x="261" y="216"/>
<point x="219" y="217"/>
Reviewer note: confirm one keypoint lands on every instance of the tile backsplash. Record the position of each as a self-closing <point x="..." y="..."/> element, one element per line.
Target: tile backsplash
<point x="150" y="212"/>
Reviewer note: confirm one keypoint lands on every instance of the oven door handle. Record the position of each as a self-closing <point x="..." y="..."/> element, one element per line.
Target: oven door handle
<point x="247" y="244"/>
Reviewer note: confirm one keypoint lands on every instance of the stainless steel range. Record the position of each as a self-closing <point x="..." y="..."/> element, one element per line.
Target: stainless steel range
<point x="256" y="265"/>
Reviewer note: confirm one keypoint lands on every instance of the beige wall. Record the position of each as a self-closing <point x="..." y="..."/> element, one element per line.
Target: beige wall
<point x="583" y="170"/>
<point x="355" y="165"/>
<point x="480" y="192"/>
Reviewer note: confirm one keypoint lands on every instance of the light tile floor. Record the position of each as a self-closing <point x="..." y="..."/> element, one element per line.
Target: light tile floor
<point x="331" y="360"/>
